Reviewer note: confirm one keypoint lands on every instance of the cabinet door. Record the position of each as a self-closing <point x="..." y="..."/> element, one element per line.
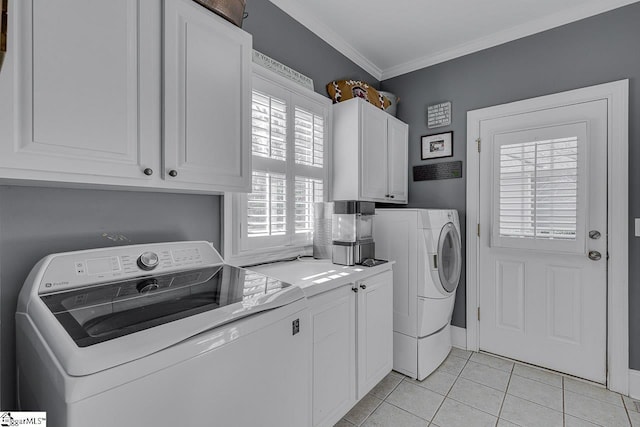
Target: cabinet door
<point x="334" y="374"/>
<point x="207" y="98"/>
<point x="78" y="90"/>
<point x="373" y="152"/>
<point x="397" y="160"/>
<point x="375" y="330"/>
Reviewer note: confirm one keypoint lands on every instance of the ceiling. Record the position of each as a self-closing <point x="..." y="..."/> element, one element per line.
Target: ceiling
<point x="388" y="39"/>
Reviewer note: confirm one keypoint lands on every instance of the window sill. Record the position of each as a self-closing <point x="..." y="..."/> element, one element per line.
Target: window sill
<point x="264" y="256"/>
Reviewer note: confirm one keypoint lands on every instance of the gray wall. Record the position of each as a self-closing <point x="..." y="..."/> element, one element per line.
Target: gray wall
<point x="596" y="50"/>
<point x="37" y="221"/>
<point x="282" y="38"/>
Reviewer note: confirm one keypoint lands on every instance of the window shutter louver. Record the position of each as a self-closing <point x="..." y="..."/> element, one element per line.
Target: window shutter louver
<point x="268" y="126"/>
<point x="538" y="189"/>
<point x="267" y="205"/>
<point x="309" y="138"/>
<point x="308" y="191"/>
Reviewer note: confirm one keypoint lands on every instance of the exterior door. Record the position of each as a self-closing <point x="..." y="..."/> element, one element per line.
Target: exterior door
<point x="543" y="256"/>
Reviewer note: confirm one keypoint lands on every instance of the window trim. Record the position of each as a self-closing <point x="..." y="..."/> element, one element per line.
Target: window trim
<point x="233" y="212"/>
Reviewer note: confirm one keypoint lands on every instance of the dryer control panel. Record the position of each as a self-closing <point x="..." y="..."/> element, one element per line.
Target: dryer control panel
<point x="84" y="268"/>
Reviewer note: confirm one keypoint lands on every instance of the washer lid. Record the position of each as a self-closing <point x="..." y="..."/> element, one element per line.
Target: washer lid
<point x="95" y="328"/>
<point x="101" y="313"/>
<point x="449" y="257"/>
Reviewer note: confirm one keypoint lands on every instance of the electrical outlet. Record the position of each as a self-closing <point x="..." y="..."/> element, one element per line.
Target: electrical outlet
<point x="295" y="326"/>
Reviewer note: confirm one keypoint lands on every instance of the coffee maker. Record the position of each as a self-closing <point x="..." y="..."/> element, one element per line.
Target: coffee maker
<point x="352" y="232"/>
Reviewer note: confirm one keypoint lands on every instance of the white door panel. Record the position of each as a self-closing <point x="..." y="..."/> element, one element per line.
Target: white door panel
<point x="543" y="188"/>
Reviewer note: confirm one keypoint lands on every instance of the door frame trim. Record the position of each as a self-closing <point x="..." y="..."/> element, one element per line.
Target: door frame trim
<point x="617" y="96"/>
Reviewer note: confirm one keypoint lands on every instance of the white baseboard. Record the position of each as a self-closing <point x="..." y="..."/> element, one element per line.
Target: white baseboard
<point x="634" y="384"/>
<point x="459" y="338"/>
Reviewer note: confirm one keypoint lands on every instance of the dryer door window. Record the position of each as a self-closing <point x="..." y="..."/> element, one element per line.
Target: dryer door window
<point x="449" y="254"/>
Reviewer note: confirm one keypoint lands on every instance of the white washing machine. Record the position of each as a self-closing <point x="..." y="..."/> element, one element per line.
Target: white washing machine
<point x="161" y="335"/>
<point x="425" y="243"/>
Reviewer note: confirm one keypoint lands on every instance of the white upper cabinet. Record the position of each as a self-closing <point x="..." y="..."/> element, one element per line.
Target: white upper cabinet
<point x="370" y="154"/>
<point x="397" y="160"/>
<point x="373" y="153"/>
<point x="90" y="105"/>
<point x="207" y="92"/>
<point x="78" y="93"/>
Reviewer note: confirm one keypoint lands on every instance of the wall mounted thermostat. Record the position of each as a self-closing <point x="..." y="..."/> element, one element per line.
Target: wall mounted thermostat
<point x="439" y="115"/>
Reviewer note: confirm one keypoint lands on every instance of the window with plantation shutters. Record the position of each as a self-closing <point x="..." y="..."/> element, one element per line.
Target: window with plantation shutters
<point x="539" y="192"/>
<point x="309" y="137"/>
<point x="267" y="205"/>
<point x="308" y="191"/>
<point x="268" y="126"/>
<point x="289" y="133"/>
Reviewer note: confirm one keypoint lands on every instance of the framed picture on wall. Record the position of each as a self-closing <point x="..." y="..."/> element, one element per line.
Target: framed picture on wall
<point x="437" y="145"/>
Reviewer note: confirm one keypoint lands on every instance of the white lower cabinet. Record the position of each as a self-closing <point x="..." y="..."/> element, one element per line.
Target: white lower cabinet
<point x="352" y="344"/>
<point x="333" y="317"/>
<point x="375" y="331"/>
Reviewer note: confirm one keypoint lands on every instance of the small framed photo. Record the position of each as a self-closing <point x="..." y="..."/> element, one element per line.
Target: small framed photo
<point x="437" y="145"/>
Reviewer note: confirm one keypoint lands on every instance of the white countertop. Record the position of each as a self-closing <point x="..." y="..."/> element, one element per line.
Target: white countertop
<point x="316" y="276"/>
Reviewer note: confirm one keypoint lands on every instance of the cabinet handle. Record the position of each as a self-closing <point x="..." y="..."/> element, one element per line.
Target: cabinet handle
<point x="173" y="173"/>
<point x="392" y="196"/>
<point x="148" y="171"/>
<point x="354" y="289"/>
<point x="386" y="195"/>
<point x="363" y="286"/>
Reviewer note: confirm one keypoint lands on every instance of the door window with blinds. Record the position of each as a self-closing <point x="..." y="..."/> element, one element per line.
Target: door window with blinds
<point x="289" y="147"/>
<point x="540" y="188"/>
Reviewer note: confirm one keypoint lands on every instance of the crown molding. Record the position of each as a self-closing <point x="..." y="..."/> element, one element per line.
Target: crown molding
<point x="505" y="36"/>
<point x="304" y="17"/>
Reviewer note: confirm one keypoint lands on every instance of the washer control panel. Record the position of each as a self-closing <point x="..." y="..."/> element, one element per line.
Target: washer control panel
<point x="82" y="268"/>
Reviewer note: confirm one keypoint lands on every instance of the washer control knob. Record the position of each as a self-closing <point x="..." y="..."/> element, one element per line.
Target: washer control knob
<point x="148" y="261"/>
<point x="147" y="286"/>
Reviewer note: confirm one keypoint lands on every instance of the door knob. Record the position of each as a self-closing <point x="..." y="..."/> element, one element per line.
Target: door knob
<point x="173" y="173"/>
<point x="594" y="255"/>
<point x="354" y="289"/>
<point x="594" y="234"/>
<point x="363" y="286"/>
<point x="148" y="171"/>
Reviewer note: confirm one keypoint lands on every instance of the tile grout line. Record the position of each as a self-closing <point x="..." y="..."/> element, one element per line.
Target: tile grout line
<point x="451" y="388"/>
<point x="564" y="413"/>
<point x="627" y="410"/>
<point x="382" y="401"/>
<point x="505" y="394"/>
<point x="564" y="417"/>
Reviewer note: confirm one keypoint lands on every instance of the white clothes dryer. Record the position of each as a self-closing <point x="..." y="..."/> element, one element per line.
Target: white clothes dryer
<point x="426" y="245"/>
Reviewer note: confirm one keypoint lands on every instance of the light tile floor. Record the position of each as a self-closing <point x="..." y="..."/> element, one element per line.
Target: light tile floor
<point x="476" y="389"/>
